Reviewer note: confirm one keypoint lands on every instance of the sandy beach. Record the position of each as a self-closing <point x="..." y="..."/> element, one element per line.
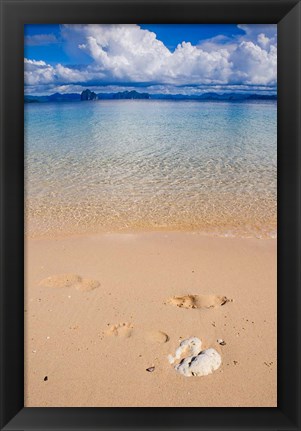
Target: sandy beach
<point x="102" y="309"/>
<point x="150" y="207"/>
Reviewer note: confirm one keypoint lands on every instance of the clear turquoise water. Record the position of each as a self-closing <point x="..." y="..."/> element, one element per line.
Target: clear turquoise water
<point x="151" y="165"/>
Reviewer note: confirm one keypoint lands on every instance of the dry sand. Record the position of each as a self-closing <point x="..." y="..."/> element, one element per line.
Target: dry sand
<point x="103" y="312"/>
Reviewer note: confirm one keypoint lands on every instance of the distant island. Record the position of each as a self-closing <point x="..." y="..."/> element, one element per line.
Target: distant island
<point x="88" y="95"/>
<point x="128" y="95"/>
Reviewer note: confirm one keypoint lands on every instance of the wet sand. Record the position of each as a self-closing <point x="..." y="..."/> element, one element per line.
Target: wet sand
<point x="103" y="312"/>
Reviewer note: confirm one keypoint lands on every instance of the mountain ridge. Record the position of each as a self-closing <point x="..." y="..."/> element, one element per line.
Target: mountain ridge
<point x="135" y="95"/>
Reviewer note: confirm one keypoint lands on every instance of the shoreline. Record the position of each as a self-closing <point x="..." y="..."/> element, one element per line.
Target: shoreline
<point x="67" y="330"/>
<point x="224" y="233"/>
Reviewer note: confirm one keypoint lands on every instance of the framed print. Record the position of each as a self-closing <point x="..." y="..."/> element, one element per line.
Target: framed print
<point x="150" y="215"/>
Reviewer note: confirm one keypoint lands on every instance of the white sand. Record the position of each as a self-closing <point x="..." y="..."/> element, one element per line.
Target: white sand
<point x="95" y="345"/>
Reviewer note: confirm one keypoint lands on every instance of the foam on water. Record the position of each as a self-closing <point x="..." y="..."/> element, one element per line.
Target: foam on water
<point x="151" y="165"/>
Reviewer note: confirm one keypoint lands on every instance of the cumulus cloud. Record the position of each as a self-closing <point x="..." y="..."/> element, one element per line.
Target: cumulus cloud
<point x="254" y="64"/>
<point x="127" y="53"/>
<point x="252" y="31"/>
<point x="38" y="72"/>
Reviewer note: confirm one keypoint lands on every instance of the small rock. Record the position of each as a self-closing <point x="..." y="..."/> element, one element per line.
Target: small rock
<point x="221" y="342"/>
<point x="150" y="369"/>
<point x="45" y="378"/>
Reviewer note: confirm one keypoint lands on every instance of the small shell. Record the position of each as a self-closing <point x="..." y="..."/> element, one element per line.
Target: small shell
<point x="150" y="369"/>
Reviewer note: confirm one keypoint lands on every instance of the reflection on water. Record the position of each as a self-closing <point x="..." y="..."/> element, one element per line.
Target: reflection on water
<point x="149" y="165"/>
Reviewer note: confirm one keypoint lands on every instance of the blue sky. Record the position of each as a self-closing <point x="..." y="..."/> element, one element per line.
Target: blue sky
<point x="158" y="58"/>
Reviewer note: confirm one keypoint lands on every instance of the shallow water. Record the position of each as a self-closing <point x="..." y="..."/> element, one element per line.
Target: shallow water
<point x="151" y="165"/>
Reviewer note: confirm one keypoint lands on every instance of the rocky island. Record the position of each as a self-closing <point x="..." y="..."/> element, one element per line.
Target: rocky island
<point x="88" y="95"/>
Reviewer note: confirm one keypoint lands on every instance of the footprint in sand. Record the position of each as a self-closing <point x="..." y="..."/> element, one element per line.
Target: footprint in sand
<point x="198" y="301"/>
<point x="121" y="330"/>
<point x="157" y="337"/>
<point x="87" y="284"/>
<point x="69" y="280"/>
<point x="125" y="330"/>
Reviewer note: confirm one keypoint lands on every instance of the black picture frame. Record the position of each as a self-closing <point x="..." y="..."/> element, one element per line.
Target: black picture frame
<point x="16" y="13"/>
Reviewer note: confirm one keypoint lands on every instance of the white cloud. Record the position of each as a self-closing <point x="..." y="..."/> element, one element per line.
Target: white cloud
<point x="38" y="72"/>
<point x="253" y="30"/>
<point x="127" y="53"/>
<point x="40" y="39"/>
<point x="254" y="64"/>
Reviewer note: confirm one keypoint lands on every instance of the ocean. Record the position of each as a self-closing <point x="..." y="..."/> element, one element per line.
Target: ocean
<point x="143" y="165"/>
